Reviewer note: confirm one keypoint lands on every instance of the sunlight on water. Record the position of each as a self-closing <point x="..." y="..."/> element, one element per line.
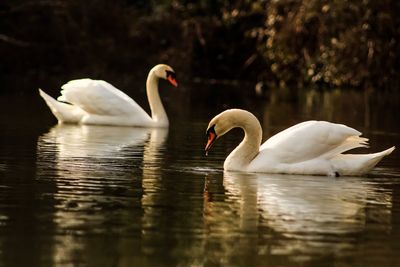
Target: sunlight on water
<point x="319" y="211"/>
<point x="120" y="180"/>
<point x="87" y="164"/>
<point x="121" y="196"/>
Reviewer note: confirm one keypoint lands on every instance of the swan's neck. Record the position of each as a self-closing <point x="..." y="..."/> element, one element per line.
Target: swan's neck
<point x="158" y="113"/>
<point x="248" y="149"/>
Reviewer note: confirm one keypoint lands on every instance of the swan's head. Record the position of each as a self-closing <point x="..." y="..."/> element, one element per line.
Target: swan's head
<point x="221" y="124"/>
<point x="231" y="118"/>
<point x="164" y="71"/>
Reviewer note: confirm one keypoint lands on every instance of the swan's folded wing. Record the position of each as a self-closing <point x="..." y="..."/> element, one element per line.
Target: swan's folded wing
<point x="309" y="140"/>
<point x="99" y="97"/>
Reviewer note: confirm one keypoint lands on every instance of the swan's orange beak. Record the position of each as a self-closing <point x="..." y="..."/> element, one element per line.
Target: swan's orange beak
<point x="172" y="80"/>
<point x="211" y="137"/>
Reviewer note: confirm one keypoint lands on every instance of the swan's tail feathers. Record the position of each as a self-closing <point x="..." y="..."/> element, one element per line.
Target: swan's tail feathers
<point x="62" y="111"/>
<point x="71" y="89"/>
<point x="350" y="143"/>
<point x="353" y="164"/>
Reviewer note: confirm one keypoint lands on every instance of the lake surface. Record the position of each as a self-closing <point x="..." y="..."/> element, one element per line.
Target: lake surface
<point x="119" y="196"/>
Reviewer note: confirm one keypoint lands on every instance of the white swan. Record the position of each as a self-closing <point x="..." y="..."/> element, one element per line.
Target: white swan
<point x="87" y="101"/>
<point x="311" y="147"/>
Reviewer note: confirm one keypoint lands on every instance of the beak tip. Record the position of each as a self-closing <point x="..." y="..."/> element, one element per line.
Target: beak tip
<point x="172" y="81"/>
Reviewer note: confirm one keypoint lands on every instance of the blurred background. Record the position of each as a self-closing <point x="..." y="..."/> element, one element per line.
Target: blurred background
<point x="288" y="44"/>
<point x="68" y="192"/>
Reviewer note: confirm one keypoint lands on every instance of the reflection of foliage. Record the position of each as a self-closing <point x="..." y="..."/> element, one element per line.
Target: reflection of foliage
<point x="290" y="43"/>
<point x="353" y="43"/>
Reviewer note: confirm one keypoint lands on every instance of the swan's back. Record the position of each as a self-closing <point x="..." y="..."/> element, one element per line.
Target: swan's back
<point x="311" y="139"/>
<point x="99" y="98"/>
<point x="316" y="147"/>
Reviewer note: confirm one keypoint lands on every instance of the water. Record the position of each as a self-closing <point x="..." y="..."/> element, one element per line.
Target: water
<point x="114" y="196"/>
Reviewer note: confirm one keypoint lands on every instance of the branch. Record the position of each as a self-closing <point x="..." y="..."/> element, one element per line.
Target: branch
<point x="7" y="39"/>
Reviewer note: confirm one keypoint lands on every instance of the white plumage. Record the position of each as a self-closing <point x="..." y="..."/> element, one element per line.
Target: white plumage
<point x="88" y="101"/>
<point x="311" y="147"/>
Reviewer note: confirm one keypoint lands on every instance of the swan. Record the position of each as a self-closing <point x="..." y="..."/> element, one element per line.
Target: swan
<point x="310" y="147"/>
<point x="87" y="101"/>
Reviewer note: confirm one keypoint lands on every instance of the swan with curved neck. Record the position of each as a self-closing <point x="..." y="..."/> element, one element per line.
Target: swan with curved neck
<point x="311" y="147"/>
<point x="87" y="101"/>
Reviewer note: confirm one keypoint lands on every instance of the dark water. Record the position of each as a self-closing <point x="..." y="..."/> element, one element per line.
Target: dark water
<point x="110" y="196"/>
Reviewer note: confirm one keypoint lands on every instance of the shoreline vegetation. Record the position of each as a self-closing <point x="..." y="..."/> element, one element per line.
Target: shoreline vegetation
<point x="279" y="44"/>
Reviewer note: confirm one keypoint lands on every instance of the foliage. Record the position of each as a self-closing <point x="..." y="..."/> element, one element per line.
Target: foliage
<point x="287" y="43"/>
<point x="334" y="43"/>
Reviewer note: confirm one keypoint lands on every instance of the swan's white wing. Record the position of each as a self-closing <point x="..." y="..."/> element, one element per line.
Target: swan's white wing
<point x="100" y="98"/>
<point x="309" y="140"/>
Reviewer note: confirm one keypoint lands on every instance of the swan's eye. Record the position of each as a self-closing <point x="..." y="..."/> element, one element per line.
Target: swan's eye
<point x="171" y="77"/>
<point x="211" y="137"/>
<point x="211" y="130"/>
<point x="171" y="74"/>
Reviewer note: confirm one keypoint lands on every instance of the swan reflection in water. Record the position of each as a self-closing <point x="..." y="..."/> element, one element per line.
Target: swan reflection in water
<point x="83" y="147"/>
<point x="308" y="214"/>
<point x="96" y="172"/>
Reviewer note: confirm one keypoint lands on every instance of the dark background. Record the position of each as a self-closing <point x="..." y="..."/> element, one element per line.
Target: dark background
<point x="283" y="44"/>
